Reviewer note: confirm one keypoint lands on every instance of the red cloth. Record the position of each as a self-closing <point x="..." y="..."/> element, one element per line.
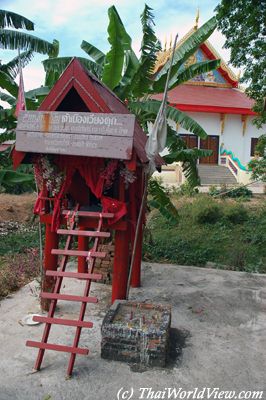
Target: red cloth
<point x="91" y="170"/>
<point x="110" y="205"/>
<point x="21" y="103"/>
<point x="18" y="156"/>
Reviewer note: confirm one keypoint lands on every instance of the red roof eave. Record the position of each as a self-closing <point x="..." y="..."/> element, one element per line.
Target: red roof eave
<point x="213" y="109"/>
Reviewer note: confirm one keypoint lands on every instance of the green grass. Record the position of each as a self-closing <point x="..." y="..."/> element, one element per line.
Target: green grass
<point x="227" y="233"/>
<point x="18" y="242"/>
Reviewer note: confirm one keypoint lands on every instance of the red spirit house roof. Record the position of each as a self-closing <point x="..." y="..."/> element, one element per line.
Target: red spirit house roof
<point x="76" y="82"/>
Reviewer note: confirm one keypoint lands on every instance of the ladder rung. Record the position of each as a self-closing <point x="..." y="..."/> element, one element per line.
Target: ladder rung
<point x="68" y="297"/>
<point x="77" y="275"/>
<point x="62" y="321"/>
<point x="79" y="253"/>
<point x="91" y="214"/>
<point x="83" y="233"/>
<point x="57" y="347"/>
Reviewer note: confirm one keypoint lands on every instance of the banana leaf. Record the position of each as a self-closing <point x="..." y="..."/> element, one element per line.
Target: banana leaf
<point x="186" y="49"/>
<point x="120" y="41"/>
<point x="10" y="39"/>
<point x="161" y="201"/>
<point x="13" y="20"/>
<point x="97" y="55"/>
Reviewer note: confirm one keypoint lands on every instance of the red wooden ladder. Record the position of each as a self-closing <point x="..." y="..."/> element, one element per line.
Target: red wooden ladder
<point x="56" y="295"/>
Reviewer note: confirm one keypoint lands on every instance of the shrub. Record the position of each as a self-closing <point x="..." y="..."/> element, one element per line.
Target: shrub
<point x="206" y="211"/>
<point x="187" y="190"/>
<point x="236" y="213"/>
<point x="233" y="193"/>
<point x="240" y="191"/>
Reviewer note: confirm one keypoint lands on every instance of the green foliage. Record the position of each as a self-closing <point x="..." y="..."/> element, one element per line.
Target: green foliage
<point x="15" y="182"/>
<point x="236" y="213"/>
<point x="239" y="191"/>
<point x="97" y="55"/>
<point x="186" y="190"/>
<point x="12" y="67"/>
<point x="12" y="40"/>
<point x="13" y="20"/>
<point x="239" y="245"/>
<point x="243" y="24"/>
<point x="54" y="67"/>
<point x="120" y="42"/>
<point x="161" y="201"/>
<point x="182" y="54"/>
<point x="206" y="211"/>
<point x="132" y="79"/>
<point x="142" y="80"/>
<point x="258" y="164"/>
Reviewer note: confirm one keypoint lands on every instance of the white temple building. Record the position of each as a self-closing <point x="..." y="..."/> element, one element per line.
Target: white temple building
<point x="221" y="107"/>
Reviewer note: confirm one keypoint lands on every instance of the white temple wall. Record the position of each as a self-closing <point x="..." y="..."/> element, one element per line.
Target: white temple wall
<point x="232" y="137"/>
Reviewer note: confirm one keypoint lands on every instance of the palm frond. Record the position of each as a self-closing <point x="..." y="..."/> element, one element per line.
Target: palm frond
<point x="7" y="83"/>
<point x="150" y="109"/>
<point x="186" y="74"/>
<point x="54" y="67"/>
<point x="120" y="41"/>
<point x="12" y="67"/>
<point x="161" y="201"/>
<point x="9" y="177"/>
<point x="131" y="67"/>
<point x="7" y="98"/>
<point x="150" y="45"/>
<point x="13" y="20"/>
<point x="97" y="55"/>
<point x="186" y="49"/>
<point x="10" y="39"/>
<point x="6" y="114"/>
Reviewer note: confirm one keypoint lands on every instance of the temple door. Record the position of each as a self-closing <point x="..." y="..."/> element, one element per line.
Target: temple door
<point x="211" y="143"/>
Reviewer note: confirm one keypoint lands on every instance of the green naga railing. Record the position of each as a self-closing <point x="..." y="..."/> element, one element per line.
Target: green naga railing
<point x="235" y="159"/>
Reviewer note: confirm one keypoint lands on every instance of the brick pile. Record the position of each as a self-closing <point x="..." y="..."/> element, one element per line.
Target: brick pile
<point x="136" y="333"/>
<point x="105" y="265"/>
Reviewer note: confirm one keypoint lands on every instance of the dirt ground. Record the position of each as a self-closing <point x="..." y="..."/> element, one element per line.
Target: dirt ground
<point x="16" y="207"/>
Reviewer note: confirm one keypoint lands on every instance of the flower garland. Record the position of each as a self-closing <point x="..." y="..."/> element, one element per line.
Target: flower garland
<point x="47" y="173"/>
<point x="129" y="176"/>
<point x="109" y="173"/>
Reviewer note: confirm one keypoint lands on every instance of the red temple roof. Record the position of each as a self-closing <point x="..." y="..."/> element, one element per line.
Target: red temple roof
<point x="209" y="99"/>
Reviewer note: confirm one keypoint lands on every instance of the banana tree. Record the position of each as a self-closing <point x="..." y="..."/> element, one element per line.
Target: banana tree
<point x="13" y="39"/>
<point x="132" y="79"/>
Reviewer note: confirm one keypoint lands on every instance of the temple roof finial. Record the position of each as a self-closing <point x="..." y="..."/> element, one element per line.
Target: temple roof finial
<point x="165" y="43"/>
<point x="171" y="39"/>
<point x="197" y="19"/>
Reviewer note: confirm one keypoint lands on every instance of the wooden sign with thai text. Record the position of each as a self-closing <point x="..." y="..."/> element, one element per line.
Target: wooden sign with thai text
<point x="76" y="133"/>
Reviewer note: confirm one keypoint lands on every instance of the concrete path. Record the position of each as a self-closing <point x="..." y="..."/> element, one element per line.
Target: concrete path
<point x="221" y="322"/>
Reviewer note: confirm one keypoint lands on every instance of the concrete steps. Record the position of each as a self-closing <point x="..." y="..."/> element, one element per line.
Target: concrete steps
<point x="215" y="175"/>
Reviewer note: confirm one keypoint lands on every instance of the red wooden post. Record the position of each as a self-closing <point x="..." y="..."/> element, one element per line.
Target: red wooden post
<point x="121" y="258"/>
<point x="50" y="263"/>
<point x="121" y="262"/>
<point x="83" y="246"/>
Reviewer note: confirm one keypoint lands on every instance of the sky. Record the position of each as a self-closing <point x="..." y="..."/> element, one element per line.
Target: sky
<point x="71" y="21"/>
